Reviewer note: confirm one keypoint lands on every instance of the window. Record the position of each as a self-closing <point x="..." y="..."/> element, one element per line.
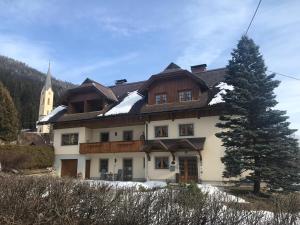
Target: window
<point x="185" y="96"/>
<point x="103" y="166"/>
<point x="160" y="98"/>
<point x="186" y="130"/>
<point x="48" y="101"/>
<point x="69" y="139"/>
<point x="161" y="163"/>
<point x="127" y="135"/>
<point x="161" y="131"/>
<point x="104" y="137"/>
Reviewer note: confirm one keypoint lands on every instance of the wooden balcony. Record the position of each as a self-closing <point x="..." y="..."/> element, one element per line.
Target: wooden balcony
<point x="111" y="147"/>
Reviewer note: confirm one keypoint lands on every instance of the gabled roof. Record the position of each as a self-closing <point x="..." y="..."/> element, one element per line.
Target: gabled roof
<point x="212" y="77"/>
<point x="171" y="67"/>
<point x="171" y="71"/>
<point x="123" y="89"/>
<point x="93" y="85"/>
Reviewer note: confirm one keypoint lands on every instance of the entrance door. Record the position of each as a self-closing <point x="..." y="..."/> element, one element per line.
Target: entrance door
<point x="68" y="168"/>
<point x="127" y="169"/>
<point x="188" y="169"/>
<point x="87" y="169"/>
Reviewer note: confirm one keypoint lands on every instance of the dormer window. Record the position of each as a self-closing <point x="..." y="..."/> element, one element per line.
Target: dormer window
<point x="185" y="96"/>
<point x="160" y="98"/>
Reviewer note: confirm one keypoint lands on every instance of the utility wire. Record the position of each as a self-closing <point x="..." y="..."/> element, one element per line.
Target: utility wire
<point x="253" y="17"/>
<point x="284" y="75"/>
<point x="255" y="12"/>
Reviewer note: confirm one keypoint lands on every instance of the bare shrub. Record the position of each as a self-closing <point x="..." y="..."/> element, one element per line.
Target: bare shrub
<point x="48" y="200"/>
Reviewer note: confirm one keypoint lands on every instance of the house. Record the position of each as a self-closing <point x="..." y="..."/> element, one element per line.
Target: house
<point x="162" y="128"/>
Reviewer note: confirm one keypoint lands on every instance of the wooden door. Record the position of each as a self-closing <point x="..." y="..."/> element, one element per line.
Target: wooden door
<point x="87" y="169"/>
<point x="127" y="169"/>
<point x="188" y="169"/>
<point x="69" y="168"/>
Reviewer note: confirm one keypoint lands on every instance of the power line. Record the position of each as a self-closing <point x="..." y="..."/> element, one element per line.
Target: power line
<point x="253" y="17"/>
<point x="284" y="75"/>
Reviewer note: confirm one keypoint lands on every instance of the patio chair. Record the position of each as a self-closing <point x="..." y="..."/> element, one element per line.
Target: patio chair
<point x="120" y="175"/>
<point x="103" y="175"/>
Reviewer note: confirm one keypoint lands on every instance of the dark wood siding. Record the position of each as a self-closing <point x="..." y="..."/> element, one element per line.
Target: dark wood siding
<point x="171" y="87"/>
<point x="69" y="168"/>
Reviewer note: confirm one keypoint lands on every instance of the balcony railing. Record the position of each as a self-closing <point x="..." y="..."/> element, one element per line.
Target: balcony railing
<point x="111" y="147"/>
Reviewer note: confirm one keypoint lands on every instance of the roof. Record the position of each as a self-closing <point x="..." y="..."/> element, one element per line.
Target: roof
<point x="172" y="106"/>
<point x="122" y="89"/>
<point x="172" y="71"/>
<point x="172" y="67"/>
<point x="106" y="91"/>
<point x="212" y="77"/>
<point x="173" y="145"/>
<point x="119" y="94"/>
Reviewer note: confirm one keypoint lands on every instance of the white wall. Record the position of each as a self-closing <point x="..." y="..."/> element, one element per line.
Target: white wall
<point x="69" y="149"/>
<point x="212" y="167"/>
<point x="113" y="167"/>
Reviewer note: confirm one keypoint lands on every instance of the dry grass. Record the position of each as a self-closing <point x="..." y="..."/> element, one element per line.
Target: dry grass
<point x="264" y="201"/>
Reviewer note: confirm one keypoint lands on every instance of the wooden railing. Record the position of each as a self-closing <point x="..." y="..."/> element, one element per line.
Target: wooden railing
<point x="110" y="147"/>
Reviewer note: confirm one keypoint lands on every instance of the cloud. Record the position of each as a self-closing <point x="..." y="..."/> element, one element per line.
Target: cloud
<point x="211" y="28"/>
<point x="35" y="54"/>
<point x="87" y="69"/>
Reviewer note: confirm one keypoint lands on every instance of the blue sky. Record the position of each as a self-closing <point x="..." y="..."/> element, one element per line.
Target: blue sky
<point x="109" y="40"/>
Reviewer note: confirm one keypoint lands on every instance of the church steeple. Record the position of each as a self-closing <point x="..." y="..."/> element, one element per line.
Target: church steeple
<point x="48" y="79"/>
<point x="46" y="102"/>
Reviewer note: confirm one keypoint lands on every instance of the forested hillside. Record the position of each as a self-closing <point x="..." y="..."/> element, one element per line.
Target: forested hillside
<point x="25" y="84"/>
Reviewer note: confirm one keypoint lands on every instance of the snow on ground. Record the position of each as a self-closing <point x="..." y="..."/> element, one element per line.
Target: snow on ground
<point x="209" y="189"/>
<point x="129" y="184"/>
<point x="218" y="97"/>
<point x="53" y="113"/>
<point x="125" y="105"/>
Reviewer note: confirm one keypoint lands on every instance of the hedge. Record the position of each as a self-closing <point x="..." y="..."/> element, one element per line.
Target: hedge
<point x="48" y="200"/>
<point x="25" y="157"/>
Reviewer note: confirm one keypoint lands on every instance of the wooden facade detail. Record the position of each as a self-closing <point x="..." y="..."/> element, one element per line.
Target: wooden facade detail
<point x="171" y="87"/>
<point x="111" y="147"/>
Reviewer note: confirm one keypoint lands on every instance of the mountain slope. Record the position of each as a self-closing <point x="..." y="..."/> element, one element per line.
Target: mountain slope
<point x="25" y="84"/>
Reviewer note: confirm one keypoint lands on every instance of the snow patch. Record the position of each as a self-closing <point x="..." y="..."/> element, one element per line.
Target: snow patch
<point x="53" y="113"/>
<point x="212" y="190"/>
<point x="129" y="184"/>
<point x="125" y="105"/>
<point x="224" y="87"/>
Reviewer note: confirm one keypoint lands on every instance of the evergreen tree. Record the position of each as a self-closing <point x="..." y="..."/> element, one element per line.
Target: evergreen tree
<point x="256" y="137"/>
<point x="9" y="124"/>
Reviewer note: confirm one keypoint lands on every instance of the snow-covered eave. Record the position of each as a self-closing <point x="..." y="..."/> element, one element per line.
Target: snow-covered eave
<point x="124" y="106"/>
<point x="53" y="113"/>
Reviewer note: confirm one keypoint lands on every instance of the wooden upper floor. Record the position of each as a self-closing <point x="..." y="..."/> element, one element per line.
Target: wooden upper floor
<point x="172" y="90"/>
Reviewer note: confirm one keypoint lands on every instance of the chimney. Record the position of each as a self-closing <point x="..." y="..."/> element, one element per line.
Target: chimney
<point x="198" y="68"/>
<point x="122" y="81"/>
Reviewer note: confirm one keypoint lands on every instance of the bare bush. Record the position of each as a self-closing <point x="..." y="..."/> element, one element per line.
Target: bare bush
<point x="48" y="200"/>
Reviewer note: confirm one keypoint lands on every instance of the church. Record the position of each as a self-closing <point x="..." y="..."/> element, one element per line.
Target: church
<point x="162" y="128"/>
<point x="46" y="103"/>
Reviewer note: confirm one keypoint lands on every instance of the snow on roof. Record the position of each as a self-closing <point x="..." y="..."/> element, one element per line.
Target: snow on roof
<point x="52" y="113"/>
<point x="223" y="90"/>
<point x="125" y="105"/>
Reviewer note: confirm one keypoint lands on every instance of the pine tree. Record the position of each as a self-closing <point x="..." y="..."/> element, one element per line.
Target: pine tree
<point x="9" y="124"/>
<point x="256" y="137"/>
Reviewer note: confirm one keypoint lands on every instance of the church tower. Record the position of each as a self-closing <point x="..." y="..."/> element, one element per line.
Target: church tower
<point x="46" y="102"/>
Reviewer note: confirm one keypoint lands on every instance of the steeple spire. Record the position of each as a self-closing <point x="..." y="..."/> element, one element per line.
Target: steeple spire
<point x="48" y="79"/>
